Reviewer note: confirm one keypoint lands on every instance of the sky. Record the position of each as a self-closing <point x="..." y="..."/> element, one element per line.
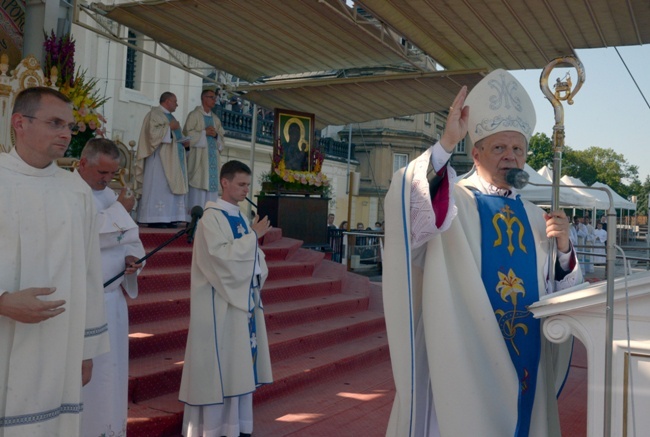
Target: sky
<point x="608" y="110"/>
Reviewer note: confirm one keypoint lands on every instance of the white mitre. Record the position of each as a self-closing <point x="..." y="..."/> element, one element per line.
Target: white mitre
<point x="499" y="103"/>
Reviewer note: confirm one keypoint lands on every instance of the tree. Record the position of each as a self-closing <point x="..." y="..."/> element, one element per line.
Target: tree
<point x="540" y="151"/>
<point x="596" y="164"/>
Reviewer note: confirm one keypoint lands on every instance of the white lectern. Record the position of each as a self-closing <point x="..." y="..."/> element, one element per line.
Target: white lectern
<point x="580" y="312"/>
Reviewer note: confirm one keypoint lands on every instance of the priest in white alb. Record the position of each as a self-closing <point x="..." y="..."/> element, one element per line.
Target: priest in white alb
<point x="468" y="357"/>
<point x="227" y="353"/>
<point x="207" y="137"/>
<point x="52" y="321"/>
<point x="106" y="396"/>
<point x="160" y="168"/>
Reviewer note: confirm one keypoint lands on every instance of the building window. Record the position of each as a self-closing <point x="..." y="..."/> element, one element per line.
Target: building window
<point x="460" y="147"/>
<point x="427" y="118"/>
<point x="132" y="74"/>
<point x="399" y="160"/>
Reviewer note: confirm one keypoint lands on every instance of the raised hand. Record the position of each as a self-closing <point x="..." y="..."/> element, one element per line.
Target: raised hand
<point x="261" y="226"/>
<point x="456" y="127"/>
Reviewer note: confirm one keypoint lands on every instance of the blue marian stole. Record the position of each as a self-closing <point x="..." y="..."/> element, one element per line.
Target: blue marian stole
<point x="239" y="229"/>
<point x="213" y="180"/>
<point x="181" y="150"/>
<point x="509" y="273"/>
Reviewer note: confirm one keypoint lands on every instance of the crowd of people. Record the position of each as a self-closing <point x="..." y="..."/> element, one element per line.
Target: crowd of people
<point x="457" y="273"/>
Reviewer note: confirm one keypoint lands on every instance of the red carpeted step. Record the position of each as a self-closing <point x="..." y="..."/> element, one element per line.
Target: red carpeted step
<point x="152" y="238"/>
<point x="272" y="235"/>
<point x="319" y="365"/>
<point x="291" y="289"/>
<point x="281" y="249"/>
<point x="164" y="279"/>
<point x="158" y="417"/>
<point x="280" y="269"/>
<point x="286" y="314"/>
<point x="153" y="337"/>
<point x="171" y="257"/>
<point x="295" y="340"/>
<point x="158" y="306"/>
<point x="155" y="374"/>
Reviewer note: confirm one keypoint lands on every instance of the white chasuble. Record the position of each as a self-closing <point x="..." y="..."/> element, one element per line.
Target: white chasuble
<point x="452" y="370"/>
<point x="106" y="396"/>
<point x="49" y="239"/>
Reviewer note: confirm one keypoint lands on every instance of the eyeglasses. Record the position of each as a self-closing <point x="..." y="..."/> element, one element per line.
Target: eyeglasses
<point x="57" y="124"/>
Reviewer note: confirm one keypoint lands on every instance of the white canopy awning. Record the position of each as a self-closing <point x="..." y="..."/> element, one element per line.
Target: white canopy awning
<point x="619" y="201"/>
<point x="258" y="39"/>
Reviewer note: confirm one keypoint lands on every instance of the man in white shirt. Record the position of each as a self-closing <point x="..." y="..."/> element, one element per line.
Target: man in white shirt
<point x="106" y="396"/>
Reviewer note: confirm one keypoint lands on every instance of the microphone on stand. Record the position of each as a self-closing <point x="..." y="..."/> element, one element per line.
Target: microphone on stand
<point x="517" y="178"/>
<point x="196" y="213"/>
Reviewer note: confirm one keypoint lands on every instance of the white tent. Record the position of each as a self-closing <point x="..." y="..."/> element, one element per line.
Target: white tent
<point x="597" y="199"/>
<point x="569" y="197"/>
<point x="619" y="201"/>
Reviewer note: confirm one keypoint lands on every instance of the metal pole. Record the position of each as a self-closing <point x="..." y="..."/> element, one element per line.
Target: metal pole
<point x="252" y="157"/>
<point x="349" y="157"/>
<point x="609" y="317"/>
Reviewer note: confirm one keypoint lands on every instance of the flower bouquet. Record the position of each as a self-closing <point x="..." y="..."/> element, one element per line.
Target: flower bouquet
<point x="60" y="67"/>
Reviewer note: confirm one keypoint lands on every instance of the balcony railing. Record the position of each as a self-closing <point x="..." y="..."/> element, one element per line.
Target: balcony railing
<point x="239" y="125"/>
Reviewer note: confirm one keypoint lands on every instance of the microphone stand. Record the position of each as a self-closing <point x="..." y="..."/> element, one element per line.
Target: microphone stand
<point x="175" y="237"/>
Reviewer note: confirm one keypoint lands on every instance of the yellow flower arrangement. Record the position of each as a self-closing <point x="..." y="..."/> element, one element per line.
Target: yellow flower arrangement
<point x="86" y="100"/>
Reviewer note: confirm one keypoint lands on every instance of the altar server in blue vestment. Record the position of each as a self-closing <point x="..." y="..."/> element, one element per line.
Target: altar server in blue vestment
<point x="468" y="259"/>
<point x="227" y="354"/>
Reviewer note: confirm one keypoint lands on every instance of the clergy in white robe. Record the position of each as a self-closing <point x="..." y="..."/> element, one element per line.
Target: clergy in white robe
<point x="600" y="238"/>
<point x="49" y="239"/>
<point x="160" y="169"/>
<point x="227" y="353"/>
<point x="451" y="349"/>
<point x="589" y="241"/>
<point x="106" y="396"/>
<point x="207" y="139"/>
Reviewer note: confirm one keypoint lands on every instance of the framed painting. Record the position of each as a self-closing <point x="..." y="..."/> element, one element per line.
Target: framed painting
<point x="294" y="138"/>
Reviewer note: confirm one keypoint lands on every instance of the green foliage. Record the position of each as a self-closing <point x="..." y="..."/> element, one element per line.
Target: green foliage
<point x="540" y="151"/>
<point x="595" y="164"/>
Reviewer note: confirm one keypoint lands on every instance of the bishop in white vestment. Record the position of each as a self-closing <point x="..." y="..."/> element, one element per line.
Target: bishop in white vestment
<point x="468" y="357"/>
